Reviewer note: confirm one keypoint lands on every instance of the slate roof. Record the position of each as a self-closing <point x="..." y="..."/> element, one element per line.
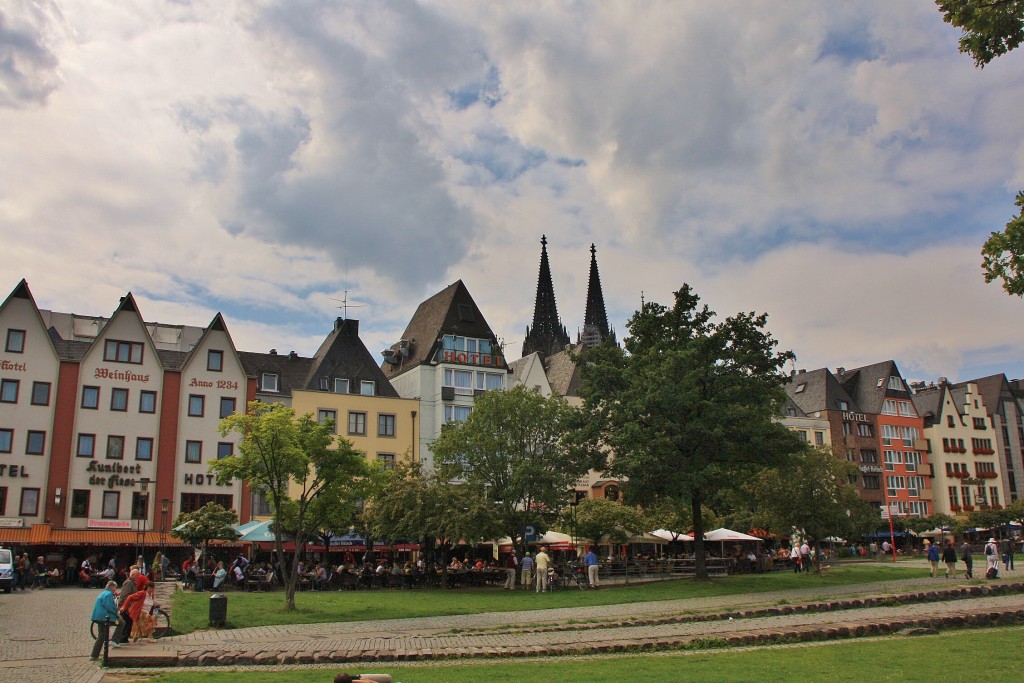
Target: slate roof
<point x="521" y="368"/>
<point x="821" y="391"/>
<point x="563" y="372"/>
<point x="930" y="404"/>
<point x="994" y="389"/>
<point x="863" y="385"/>
<point x="291" y="369"/>
<point x="450" y="311"/>
<point x="344" y="356"/>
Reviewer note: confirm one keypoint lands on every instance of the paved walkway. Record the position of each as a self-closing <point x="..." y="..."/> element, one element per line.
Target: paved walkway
<point x="620" y="627"/>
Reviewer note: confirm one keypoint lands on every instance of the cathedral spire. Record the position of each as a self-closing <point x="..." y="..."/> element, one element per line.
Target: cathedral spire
<point x="595" y="322"/>
<point x="547" y="335"/>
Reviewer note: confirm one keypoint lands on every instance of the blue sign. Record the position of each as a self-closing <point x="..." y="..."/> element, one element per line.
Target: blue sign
<point x="529" y="533"/>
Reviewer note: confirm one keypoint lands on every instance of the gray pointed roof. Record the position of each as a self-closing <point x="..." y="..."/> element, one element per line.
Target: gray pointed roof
<point x="863" y="385"/>
<point x="342" y="355"/>
<point x="816" y="390"/>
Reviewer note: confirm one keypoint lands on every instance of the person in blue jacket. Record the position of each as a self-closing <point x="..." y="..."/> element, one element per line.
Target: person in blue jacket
<point x="104" y="613"/>
<point x="933" y="559"/>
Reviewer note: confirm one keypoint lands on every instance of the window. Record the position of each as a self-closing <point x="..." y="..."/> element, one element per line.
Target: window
<point x="894" y="484"/>
<point x="15" y="341"/>
<point x="225" y="449"/>
<point x="323" y="415"/>
<point x="468" y="344"/>
<point x="122" y="351"/>
<point x="29" y="503"/>
<point x="907" y="409"/>
<point x="86" y="445"/>
<point x="847" y="428"/>
<point x="368" y="387"/>
<point x="851" y="454"/>
<point x="385" y="425"/>
<point x="988" y="468"/>
<point x="91" y="397"/>
<point x="800" y="388"/>
<point x="486" y="381"/>
<point x="965" y="493"/>
<point x="888" y="407"/>
<point x="341" y="386"/>
<point x="954" y="496"/>
<point x="462" y="380"/>
<point x="268" y="382"/>
<point x="918" y="507"/>
<point x="115" y="448"/>
<point x="915" y="485"/>
<point x="896" y="383"/>
<point x="80" y="503"/>
<point x="910" y="435"/>
<point x="193" y="451"/>
<point x="387" y="460"/>
<point x="890" y="435"/>
<point x="9" y="390"/>
<point x="324" y="383"/>
<point x="190" y="502"/>
<point x="979" y="423"/>
<point x="215" y="361"/>
<point x="913" y="460"/>
<point x="456" y="413"/>
<point x="844" y="406"/>
<point x="111" y="504"/>
<point x="993" y="493"/>
<point x="227" y="406"/>
<point x="803" y="435"/>
<point x="35" y="443"/>
<point x="851" y="479"/>
<point x="119" y="400"/>
<point x="196" y="405"/>
<point x="950" y="421"/>
<point x="6" y="440"/>
<point x="147" y="402"/>
<point x="260" y="506"/>
<point x="144" y="448"/>
<point x="140" y="505"/>
<point x="980" y="497"/>
<point x="868" y="455"/>
<point x="819" y="438"/>
<point x="892" y="458"/>
<point x="357" y="423"/>
<point x="864" y="429"/>
<point x="40" y="393"/>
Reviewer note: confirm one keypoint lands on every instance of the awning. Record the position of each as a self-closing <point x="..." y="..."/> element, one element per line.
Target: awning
<point x="671" y="535"/>
<point x="45" y="534"/>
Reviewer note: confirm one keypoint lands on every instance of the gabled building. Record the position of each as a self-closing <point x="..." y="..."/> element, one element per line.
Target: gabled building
<point x="1006" y="420"/>
<point x="448" y="354"/>
<point x="965" y="466"/>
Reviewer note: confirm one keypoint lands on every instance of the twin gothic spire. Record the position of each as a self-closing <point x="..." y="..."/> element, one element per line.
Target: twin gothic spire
<point x="547" y="334"/>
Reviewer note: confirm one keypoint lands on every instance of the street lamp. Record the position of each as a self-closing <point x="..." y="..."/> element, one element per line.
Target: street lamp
<point x="141" y="512"/>
<point x="164" y="508"/>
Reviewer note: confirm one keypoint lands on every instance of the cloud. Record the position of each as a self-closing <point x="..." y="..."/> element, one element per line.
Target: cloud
<point x="28" y="65"/>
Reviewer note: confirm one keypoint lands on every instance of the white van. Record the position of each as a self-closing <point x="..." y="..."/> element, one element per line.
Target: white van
<point x="6" y="570"/>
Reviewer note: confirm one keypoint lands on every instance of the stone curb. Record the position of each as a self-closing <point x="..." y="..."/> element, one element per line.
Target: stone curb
<point x="761" y="637"/>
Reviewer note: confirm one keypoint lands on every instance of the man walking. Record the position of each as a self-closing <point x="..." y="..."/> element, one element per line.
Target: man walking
<point x="949" y="557"/>
<point x="933" y="560"/>
<point x="511" y="569"/>
<point x="965" y="555"/>
<point x="590" y="562"/>
<point x="541" y="562"/>
<point x="527" y="569"/>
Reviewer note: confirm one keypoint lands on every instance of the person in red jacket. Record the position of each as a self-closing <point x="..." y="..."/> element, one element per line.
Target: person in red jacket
<point x="139" y="607"/>
<point x="141" y="582"/>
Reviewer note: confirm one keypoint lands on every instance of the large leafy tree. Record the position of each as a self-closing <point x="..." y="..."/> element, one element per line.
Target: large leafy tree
<point x="515" y="460"/>
<point x="812" y="494"/>
<point x="211" y="522"/>
<point x="291" y="461"/>
<point x="688" y="406"/>
<point x="990" y="27"/>
<point x="598" y="519"/>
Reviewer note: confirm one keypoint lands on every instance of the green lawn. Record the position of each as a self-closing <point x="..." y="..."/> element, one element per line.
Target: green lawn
<point x="896" y="658"/>
<point x="191" y="610"/>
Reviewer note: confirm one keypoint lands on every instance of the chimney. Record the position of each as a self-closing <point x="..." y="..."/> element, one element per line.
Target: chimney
<point x="273" y="352"/>
<point x="292" y="355"/>
<point x="840" y="371"/>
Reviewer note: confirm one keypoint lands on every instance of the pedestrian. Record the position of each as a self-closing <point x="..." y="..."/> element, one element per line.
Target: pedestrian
<point x="139" y="608"/>
<point x="133" y="583"/>
<point x="70" y="570"/>
<point x="794" y="557"/>
<point x="527" y="570"/>
<point x="965" y="555"/>
<point x="805" y="556"/>
<point x="593" y="567"/>
<point x="933" y="560"/>
<point x="1007" y="554"/>
<point x="873" y="549"/>
<point x="885" y="547"/>
<point x="991" y="559"/>
<point x="541" y="562"/>
<point x="511" y="569"/>
<point x="949" y="557"/>
<point x="104" y="613"/>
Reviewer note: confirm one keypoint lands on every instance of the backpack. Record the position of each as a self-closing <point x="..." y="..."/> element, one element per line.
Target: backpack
<point x="989" y="550"/>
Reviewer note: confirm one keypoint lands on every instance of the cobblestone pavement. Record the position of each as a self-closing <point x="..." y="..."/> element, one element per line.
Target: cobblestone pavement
<point x="495" y="635"/>
<point x="44" y="636"/>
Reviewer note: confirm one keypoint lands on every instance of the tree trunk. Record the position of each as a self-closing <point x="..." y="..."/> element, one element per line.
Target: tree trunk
<point x="700" y="564"/>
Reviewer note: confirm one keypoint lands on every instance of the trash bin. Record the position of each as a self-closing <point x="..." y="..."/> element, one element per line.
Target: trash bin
<point x="218" y="609"/>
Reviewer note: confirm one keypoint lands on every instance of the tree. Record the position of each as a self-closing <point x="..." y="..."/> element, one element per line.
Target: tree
<point x="810" y="494"/>
<point x="515" y="461"/>
<point x="991" y="28"/>
<point x="597" y="518"/>
<point x="689" y="405"/>
<point x="290" y="461"/>
<point x="338" y="509"/>
<point x="1003" y="254"/>
<point x="209" y="523"/>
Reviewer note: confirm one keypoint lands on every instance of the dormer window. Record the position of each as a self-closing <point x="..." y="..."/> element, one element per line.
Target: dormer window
<point x="800" y="387"/>
<point x="340" y="386"/>
<point x="844" y="406"/>
<point x="269" y="382"/>
<point x="368" y="388"/>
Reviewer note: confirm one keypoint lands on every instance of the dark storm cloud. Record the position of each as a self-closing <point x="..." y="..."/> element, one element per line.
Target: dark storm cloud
<point x="27" y="66"/>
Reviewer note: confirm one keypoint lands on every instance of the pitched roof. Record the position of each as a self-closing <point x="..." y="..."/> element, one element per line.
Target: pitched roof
<point x="930" y="403"/>
<point x="450" y="311"/>
<point x="344" y="356"/>
<point x="291" y="369"/>
<point x="563" y="372"/>
<point x="994" y="389"/>
<point x="868" y="385"/>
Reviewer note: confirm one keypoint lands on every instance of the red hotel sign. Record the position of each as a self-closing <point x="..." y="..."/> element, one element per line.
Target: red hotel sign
<point x="466" y="358"/>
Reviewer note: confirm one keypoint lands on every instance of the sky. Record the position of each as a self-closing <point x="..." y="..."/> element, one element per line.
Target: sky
<point x="835" y="165"/>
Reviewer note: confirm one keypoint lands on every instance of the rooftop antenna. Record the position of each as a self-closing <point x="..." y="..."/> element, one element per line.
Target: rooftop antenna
<point x="345" y="305"/>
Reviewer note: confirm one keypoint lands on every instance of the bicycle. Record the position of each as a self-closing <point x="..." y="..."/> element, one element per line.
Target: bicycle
<point x="162" y="628"/>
